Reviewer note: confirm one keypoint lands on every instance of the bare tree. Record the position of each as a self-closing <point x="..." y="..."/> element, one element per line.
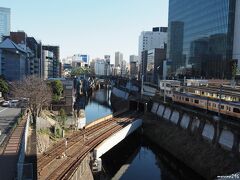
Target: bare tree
<point x="37" y="92"/>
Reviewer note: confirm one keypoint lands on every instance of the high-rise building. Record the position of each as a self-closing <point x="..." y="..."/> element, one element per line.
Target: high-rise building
<point x="157" y="38"/>
<point x="99" y="67"/>
<point x="205" y="35"/>
<point x="118" y="59"/>
<point x="56" y="59"/>
<point x="5" y="18"/>
<point x="133" y="60"/>
<point x="107" y="59"/>
<point x="152" y="65"/>
<point x="47" y="64"/>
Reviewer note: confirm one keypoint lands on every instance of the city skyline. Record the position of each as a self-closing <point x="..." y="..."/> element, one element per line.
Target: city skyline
<point x="102" y="28"/>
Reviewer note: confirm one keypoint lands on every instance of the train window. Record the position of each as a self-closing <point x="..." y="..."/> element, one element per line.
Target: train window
<point x="236" y="110"/>
<point x="222" y="107"/>
<point x="191" y="100"/>
<point x="187" y="99"/>
<point x="196" y="101"/>
<point x="214" y="105"/>
<point x="229" y="109"/>
<point x="209" y="104"/>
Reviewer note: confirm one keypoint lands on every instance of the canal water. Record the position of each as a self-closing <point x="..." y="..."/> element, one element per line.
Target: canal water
<point x="98" y="105"/>
<point x="135" y="157"/>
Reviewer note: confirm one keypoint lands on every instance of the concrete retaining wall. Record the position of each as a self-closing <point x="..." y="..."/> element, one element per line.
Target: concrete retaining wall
<point x="119" y="93"/>
<point x="226" y="139"/>
<point x="113" y="140"/>
<point x="214" y="131"/>
<point x="208" y="132"/>
<point x="83" y="171"/>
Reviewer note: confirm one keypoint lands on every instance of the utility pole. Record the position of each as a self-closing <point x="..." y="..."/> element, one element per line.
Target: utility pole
<point x="142" y="87"/>
<point x="220" y="100"/>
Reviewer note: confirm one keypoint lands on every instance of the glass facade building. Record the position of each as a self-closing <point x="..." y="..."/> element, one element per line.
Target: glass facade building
<point x="4" y="22"/>
<point x="201" y="35"/>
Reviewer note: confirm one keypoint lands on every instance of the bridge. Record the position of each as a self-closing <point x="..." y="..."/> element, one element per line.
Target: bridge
<point x="63" y="159"/>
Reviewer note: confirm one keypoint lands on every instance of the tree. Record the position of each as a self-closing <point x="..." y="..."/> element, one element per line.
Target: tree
<point x="4" y="87"/>
<point x="63" y="116"/>
<point x="36" y="91"/>
<point x="57" y="87"/>
<point x="80" y="70"/>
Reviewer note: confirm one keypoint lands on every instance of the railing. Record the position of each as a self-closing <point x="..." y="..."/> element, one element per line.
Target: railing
<point x="23" y="148"/>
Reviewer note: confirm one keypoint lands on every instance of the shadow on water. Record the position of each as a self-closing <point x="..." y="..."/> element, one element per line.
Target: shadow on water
<point x="137" y="158"/>
<point x="96" y="105"/>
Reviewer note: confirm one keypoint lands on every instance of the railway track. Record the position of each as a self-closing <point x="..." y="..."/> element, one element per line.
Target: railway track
<point x="77" y="139"/>
<point x="58" y="148"/>
<point x="66" y="170"/>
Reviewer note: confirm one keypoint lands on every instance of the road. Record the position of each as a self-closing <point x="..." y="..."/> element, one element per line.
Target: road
<point x="8" y="117"/>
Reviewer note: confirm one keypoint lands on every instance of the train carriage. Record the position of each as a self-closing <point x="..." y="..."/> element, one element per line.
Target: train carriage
<point x="223" y="107"/>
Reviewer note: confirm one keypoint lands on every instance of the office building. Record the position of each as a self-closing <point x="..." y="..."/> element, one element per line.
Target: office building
<point x="34" y="63"/>
<point x="133" y="61"/>
<point x="13" y="60"/>
<point x="157" y="38"/>
<point x="107" y="59"/>
<point x="205" y="35"/>
<point x="152" y="65"/>
<point x="118" y="59"/>
<point x="56" y="59"/>
<point x="47" y="64"/>
<point x="80" y="60"/>
<point x="100" y="67"/>
<point x="5" y="17"/>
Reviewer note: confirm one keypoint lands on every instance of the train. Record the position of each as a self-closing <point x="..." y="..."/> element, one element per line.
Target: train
<point x="224" y="107"/>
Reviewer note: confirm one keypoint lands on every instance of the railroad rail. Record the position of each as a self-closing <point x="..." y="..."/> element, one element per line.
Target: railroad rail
<point x="50" y="166"/>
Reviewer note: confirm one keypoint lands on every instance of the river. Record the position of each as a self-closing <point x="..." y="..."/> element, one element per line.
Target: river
<point x="135" y="157"/>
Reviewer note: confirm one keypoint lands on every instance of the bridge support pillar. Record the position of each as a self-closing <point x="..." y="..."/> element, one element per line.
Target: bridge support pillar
<point x="97" y="165"/>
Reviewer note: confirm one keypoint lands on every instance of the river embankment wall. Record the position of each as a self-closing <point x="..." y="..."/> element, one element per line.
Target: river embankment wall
<point x="205" y="144"/>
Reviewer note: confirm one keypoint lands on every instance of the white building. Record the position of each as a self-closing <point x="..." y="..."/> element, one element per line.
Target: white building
<point x="80" y="60"/>
<point x="4" y="22"/>
<point x="100" y="66"/>
<point x="157" y="38"/>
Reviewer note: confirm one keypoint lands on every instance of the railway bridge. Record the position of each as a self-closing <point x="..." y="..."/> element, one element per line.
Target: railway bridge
<point x="63" y="159"/>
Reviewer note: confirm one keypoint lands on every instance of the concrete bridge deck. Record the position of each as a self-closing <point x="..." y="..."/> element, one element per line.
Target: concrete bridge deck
<point x="53" y="165"/>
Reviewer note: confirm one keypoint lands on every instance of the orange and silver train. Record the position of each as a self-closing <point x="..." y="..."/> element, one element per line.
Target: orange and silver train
<point x="226" y="107"/>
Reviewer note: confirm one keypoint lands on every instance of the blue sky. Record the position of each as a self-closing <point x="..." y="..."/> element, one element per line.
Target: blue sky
<point x="95" y="27"/>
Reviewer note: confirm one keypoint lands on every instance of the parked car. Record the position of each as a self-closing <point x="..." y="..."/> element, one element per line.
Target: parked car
<point x="6" y="104"/>
<point x="14" y="103"/>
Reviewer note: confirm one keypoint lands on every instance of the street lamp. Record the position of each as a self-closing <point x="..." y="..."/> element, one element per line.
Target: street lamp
<point x="158" y="71"/>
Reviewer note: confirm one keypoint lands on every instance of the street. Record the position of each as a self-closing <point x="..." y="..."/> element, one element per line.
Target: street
<point x="7" y="118"/>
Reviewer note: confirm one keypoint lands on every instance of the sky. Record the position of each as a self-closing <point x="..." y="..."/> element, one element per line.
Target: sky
<point x="94" y="27"/>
